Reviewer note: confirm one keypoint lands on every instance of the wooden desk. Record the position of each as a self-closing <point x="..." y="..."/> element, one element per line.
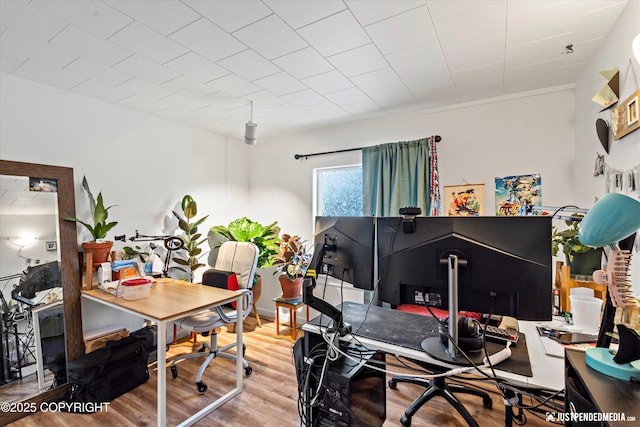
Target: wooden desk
<point x="166" y="303"/>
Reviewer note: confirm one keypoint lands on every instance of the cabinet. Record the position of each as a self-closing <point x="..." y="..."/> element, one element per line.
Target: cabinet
<point x="589" y="391"/>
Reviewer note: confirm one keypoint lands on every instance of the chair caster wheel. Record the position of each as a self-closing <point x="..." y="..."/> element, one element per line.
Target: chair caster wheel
<point x="202" y="387"/>
<point x="487" y="402"/>
<point x="174" y="371"/>
<point x="405" y="421"/>
<point x="201" y="350"/>
<point x="248" y="370"/>
<point x="393" y="384"/>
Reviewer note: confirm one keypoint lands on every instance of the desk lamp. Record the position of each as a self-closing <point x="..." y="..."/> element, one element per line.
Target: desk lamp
<point x="613" y="218"/>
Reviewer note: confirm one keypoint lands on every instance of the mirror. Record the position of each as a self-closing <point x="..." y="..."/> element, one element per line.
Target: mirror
<point x="40" y="283"/>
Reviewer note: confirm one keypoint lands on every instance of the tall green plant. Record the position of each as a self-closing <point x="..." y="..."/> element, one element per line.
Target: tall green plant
<point x="99" y="213"/>
<point x="191" y="238"/>
<point x="265" y="237"/>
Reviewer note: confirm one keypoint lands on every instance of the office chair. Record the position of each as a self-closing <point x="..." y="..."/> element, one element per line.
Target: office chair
<point x="240" y="258"/>
<point x="438" y="387"/>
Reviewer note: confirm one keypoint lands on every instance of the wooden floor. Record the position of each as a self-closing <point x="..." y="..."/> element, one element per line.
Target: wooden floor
<point x="269" y="397"/>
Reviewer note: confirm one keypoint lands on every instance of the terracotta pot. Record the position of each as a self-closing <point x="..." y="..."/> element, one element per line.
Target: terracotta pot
<point x="291" y="289"/>
<point x="100" y="251"/>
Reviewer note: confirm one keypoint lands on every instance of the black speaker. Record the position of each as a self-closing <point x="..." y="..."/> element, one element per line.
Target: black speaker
<point x="469" y="334"/>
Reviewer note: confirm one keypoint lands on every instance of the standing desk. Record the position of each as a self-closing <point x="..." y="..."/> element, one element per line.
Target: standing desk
<point x="169" y="302"/>
<point x="400" y="333"/>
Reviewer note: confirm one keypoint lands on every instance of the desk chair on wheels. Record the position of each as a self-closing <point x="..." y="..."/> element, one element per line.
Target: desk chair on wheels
<point x="438" y="386"/>
<point x="240" y="258"/>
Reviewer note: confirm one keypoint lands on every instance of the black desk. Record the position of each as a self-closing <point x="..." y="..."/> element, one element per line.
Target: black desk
<point x="403" y="330"/>
<point x="607" y="395"/>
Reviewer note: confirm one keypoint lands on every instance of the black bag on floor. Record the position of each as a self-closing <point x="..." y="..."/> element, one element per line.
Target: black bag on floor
<point x="106" y="373"/>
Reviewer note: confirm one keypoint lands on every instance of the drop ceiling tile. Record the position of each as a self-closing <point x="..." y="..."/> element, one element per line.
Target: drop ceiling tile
<point x="87" y="69"/>
<point x="359" y="60"/>
<point x="370" y="11"/>
<point x="436" y="96"/>
<point x="231" y="15"/>
<point x="146" y="69"/>
<point x="271" y="37"/>
<point x="164" y="16"/>
<point x="90" y="15"/>
<point x="208" y="40"/>
<point x="280" y="84"/>
<point x="347" y="96"/>
<point x="220" y="101"/>
<point x="249" y="65"/>
<point x="102" y="91"/>
<point x="304" y="98"/>
<point x="86" y="44"/>
<point x="400" y="32"/>
<point x="557" y="18"/>
<point x="393" y="97"/>
<point x="148" y="43"/>
<point x="326" y="110"/>
<point x="377" y="80"/>
<point x="328" y="82"/>
<point x="478" y="76"/>
<point x="263" y="100"/>
<point x="538" y="51"/>
<point x="197" y="67"/>
<point x="364" y="107"/>
<point x="335" y="34"/>
<point x="482" y="53"/>
<point x="144" y="89"/>
<point x="300" y="13"/>
<point x="597" y="24"/>
<point x="473" y="27"/>
<point x="40" y="70"/>
<point x="29" y="21"/>
<point x="188" y="87"/>
<point x="486" y="90"/>
<point x="16" y="49"/>
<point x="444" y="9"/>
<point x="234" y="85"/>
<point x="178" y="100"/>
<point x="304" y="63"/>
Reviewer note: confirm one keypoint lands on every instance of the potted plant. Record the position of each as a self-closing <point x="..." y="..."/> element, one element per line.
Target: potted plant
<point x="99" y="248"/>
<point x="191" y="238"/>
<point x="582" y="259"/>
<point x="291" y="263"/>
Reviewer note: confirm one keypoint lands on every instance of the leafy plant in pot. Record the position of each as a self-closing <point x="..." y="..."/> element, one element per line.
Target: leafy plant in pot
<point x="582" y="259"/>
<point x="291" y="263"/>
<point x="99" y="248"/>
<point x="191" y="238"/>
<point x="265" y="237"/>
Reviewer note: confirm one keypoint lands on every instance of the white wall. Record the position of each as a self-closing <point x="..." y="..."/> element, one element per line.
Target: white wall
<point x="624" y="154"/>
<point x="142" y="164"/>
<point x="532" y="133"/>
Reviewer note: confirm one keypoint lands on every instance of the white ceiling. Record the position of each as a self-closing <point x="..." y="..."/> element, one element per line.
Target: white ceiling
<point x="305" y="64"/>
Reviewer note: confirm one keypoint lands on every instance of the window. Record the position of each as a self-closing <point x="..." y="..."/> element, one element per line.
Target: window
<point x="338" y="191"/>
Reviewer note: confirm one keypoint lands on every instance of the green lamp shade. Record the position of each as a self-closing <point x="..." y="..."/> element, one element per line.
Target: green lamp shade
<point x="613" y="218"/>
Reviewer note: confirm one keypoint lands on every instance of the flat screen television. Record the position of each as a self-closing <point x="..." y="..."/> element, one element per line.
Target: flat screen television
<point x="348" y="243"/>
<point x="507" y="272"/>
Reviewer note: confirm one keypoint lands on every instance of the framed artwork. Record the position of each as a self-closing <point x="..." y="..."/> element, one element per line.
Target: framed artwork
<point x="516" y="194"/>
<point x="624" y="117"/>
<point x="464" y="200"/>
<point x="52" y="246"/>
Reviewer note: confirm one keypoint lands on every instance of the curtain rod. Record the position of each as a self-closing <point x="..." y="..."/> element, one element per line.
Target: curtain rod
<point x="299" y="156"/>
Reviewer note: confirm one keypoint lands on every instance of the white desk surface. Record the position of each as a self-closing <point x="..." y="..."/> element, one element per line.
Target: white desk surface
<point x="168" y="302"/>
<point x="548" y="371"/>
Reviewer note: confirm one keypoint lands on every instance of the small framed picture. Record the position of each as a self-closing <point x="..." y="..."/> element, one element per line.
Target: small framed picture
<point x="632" y="111"/>
<point x="52" y="246"/>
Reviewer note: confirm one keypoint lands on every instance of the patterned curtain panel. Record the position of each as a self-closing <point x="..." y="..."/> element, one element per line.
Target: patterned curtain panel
<point x="400" y="174"/>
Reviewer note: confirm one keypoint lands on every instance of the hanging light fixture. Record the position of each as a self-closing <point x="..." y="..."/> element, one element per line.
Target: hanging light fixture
<point x="250" y="130"/>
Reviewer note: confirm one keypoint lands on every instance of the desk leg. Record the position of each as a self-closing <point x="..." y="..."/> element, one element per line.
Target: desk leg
<point x="294" y="328"/>
<point x="277" y="320"/>
<point x="162" y="374"/>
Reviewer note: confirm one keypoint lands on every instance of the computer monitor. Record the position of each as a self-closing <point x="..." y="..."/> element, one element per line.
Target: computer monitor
<point x="348" y="243"/>
<point x="37" y="278"/>
<point x="507" y="272"/>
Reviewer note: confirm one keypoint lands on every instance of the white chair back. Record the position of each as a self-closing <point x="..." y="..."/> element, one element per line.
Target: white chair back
<point x="240" y="258"/>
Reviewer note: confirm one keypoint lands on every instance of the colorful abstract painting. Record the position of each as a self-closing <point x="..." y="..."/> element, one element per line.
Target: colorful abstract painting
<point x="516" y="194"/>
<point x="464" y="200"/>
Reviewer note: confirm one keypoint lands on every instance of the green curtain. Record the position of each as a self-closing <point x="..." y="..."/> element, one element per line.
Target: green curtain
<point x="396" y="175"/>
